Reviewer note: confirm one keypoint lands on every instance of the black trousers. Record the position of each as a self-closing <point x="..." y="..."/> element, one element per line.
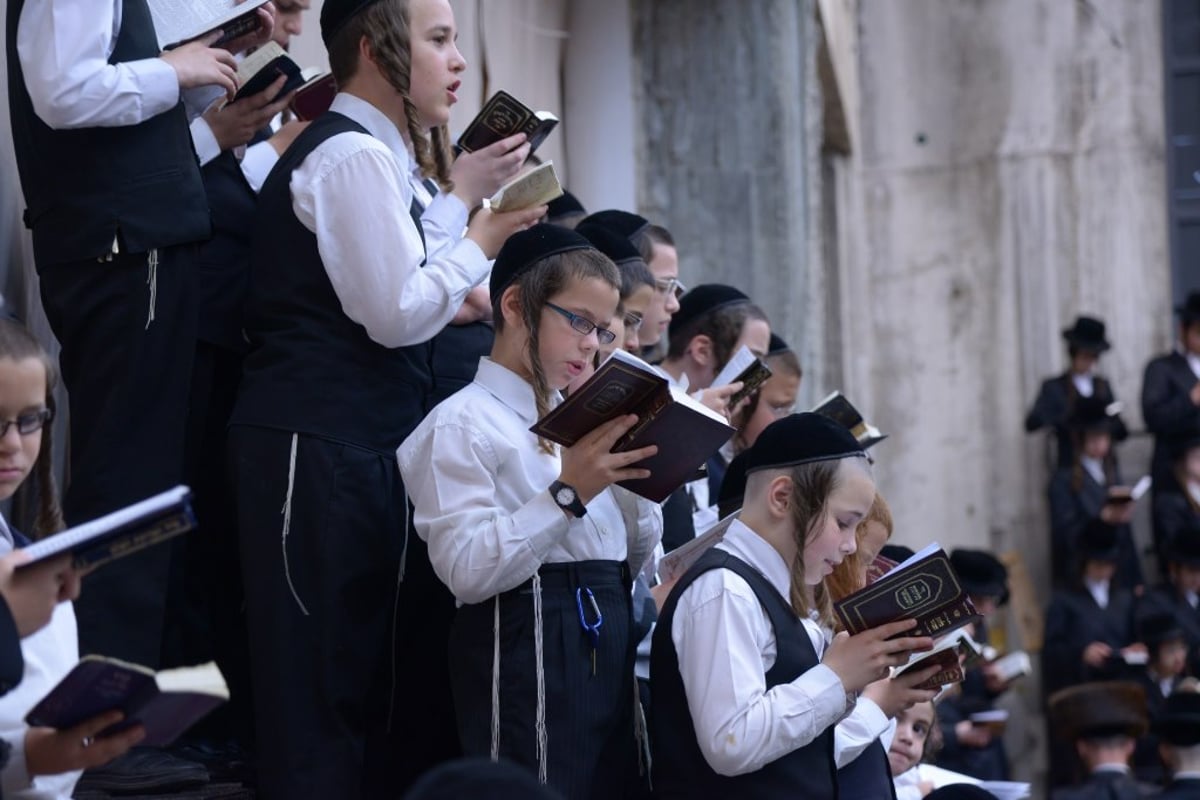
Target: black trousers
<point x="589" y="717"/>
<point x="127" y="377"/>
<point x="326" y="616"/>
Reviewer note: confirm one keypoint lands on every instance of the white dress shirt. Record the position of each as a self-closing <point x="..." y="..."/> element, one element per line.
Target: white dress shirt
<point x="64" y="47"/>
<point x="1098" y="590"/>
<point x="726" y="645"/>
<point x="49" y="655"/>
<point x="353" y="193"/>
<point x="444" y="219"/>
<point x="1085" y="384"/>
<point x="478" y="482"/>
<point x="1193" y="361"/>
<point x="1095" y="469"/>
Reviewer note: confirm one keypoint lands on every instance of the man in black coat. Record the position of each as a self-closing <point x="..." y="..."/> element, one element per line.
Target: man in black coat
<point x="1171" y="393"/>
<point x="1103" y="720"/>
<point x="1180" y="595"/>
<point x="1179" y="732"/>
<point x="1056" y="399"/>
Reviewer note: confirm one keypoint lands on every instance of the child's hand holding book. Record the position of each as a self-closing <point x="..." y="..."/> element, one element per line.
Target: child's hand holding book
<point x="590" y="466"/>
<point x="51" y="752"/>
<point x="866" y="657"/>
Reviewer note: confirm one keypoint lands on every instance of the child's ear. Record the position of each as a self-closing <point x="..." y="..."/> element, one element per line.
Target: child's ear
<point x="779" y="496"/>
<point x="510" y="307"/>
<point x="701" y="350"/>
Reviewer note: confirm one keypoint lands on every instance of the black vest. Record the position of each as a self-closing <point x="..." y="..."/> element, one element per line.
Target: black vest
<point x="680" y="769"/>
<point x="868" y="777"/>
<point x="223" y="262"/>
<point x="311" y="369"/>
<point x="86" y="186"/>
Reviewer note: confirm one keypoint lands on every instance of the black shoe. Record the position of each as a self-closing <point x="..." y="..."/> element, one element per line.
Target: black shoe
<point x="144" y="770"/>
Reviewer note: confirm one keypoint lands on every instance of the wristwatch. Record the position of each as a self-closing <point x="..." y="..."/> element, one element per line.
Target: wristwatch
<point x="567" y="498"/>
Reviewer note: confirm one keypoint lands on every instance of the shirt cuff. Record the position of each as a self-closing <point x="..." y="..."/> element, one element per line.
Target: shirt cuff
<point x="828" y="696"/>
<point x="204" y="141"/>
<point x="257" y="164"/>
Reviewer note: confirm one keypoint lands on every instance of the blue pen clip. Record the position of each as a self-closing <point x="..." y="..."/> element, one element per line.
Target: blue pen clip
<point x="591" y="628"/>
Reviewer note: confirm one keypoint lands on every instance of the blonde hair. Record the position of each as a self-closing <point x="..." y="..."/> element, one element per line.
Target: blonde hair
<point x="386" y="26"/>
<point x="844" y="580"/>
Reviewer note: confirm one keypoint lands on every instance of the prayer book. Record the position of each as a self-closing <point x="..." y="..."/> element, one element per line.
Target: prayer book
<point x="166" y="703"/>
<point x="924" y="587"/>
<point x="840" y="410"/>
<point x="747" y="368"/>
<point x="315" y="97"/>
<point x="534" y="188"/>
<point x="179" y="21"/>
<point x="674" y="564"/>
<point x="1012" y="666"/>
<point x="686" y="431"/>
<point x="945" y="654"/>
<point x="1120" y="495"/>
<point x="503" y="116"/>
<point x="262" y="67"/>
<point x="120" y="533"/>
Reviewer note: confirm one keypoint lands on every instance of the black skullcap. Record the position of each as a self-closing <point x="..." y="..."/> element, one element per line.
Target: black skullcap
<point x="525" y="248"/>
<point x="777" y="346"/>
<point x="1090" y="414"/>
<point x="1178" y="722"/>
<point x="1087" y="334"/>
<point x="980" y="573"/>
<point x="609" y="242"/>
<point x="1189" y="312"/>
<point x="625" y="223"/>
<point x="801" y="439"/>
<point x="704" y="299"/>
<point x="960" y="791"/>
<point x="1158" y="629"/>
<point x="1097" y="710"/>
<point x="897" y="552"/>
<point x="336" y="13"/>
<point x="1185" y="550"/>
<point x="733" y="486"/>
<point x="482" y="779"/>
<point x="566" y="203"/>
<point x="1098" y="542"/>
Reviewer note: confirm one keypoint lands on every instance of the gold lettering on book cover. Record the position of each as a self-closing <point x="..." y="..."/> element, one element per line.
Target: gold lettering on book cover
<point x="504" y="116"/>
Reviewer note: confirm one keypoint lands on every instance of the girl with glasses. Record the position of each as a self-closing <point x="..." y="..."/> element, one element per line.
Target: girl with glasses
<point x="534" y="540"/>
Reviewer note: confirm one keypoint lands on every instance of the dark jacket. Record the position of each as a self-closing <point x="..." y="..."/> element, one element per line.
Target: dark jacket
<point x="1073" y="621"/>
<point x="1105" y="786"/>
<point x="1053" y="406"/>
<point x="1071" y="512"/>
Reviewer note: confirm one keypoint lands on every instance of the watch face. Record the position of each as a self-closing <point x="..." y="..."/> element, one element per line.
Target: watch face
<point x="565" y="496"/>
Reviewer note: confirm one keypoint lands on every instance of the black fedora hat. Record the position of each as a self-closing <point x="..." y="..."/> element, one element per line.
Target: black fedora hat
<point x="1189" y="312"/>
<point x="1091" y="414"/>
<point x="1113" y="708"/>
<point x="980" y="573"/>
<point x="1087" y="334"/>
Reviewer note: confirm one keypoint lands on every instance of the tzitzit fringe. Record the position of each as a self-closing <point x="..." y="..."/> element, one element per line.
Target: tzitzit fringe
<point x="152" y="281"/>
<point x="287" y="522"/>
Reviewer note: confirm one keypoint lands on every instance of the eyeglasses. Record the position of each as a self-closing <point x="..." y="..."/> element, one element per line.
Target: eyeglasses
<point x="670" y="286"/>
<point x="633" y="322"/>
<point x="585" y="326"/>
<point x="27" y="423"/>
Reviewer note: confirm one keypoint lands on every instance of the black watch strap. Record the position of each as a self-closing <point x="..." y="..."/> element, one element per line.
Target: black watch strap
<point x="567" y="498"/>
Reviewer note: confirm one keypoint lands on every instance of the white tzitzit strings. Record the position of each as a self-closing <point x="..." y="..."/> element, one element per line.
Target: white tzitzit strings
<point x="496" y="679"/>
<point x="152" y="281"/>
<point x="540" y="723"/>
<point x="287" y="523"/>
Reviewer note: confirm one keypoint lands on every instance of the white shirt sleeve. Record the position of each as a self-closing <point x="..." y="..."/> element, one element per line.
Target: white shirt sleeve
<point x="444" y="221"/>
<point x="476" y="548"/>
<point x="720" y="631"/>
<point x="204" y="141"/>
<point x="64" y="47"/>
<point x="356" y="202"/>
<point x="858" y="730"/>
<point x="257" y="164"/>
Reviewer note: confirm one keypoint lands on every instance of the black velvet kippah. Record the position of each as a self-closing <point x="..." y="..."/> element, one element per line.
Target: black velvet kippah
<point x="777" y="346"/>
<point x="525" y="248"/>
<point x="336" y="13"/>
<point x="702" y="300"/>
<point x="609" y="242"/>
<point x="733" y="486"/>
<point x="623" y="222"/>
<point x="801" y="439"/>
<point x="565" y="203"/>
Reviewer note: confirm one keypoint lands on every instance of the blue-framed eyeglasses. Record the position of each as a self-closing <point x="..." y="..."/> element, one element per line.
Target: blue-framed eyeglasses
<point x="585" y="326"/>
<point x="27" y="423"/>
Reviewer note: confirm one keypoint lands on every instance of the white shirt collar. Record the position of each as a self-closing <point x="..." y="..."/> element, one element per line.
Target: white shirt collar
<point x="376" y="123"/>
<point x="1192" y="598"/>
<point x="1094" y="468"/>
<point x="510" y="389"/>
<point x="1084" y="383"/>
<point x="747" y="545"/>
<point x="1123" y="769"/>
<point x="1099" y="591"/>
